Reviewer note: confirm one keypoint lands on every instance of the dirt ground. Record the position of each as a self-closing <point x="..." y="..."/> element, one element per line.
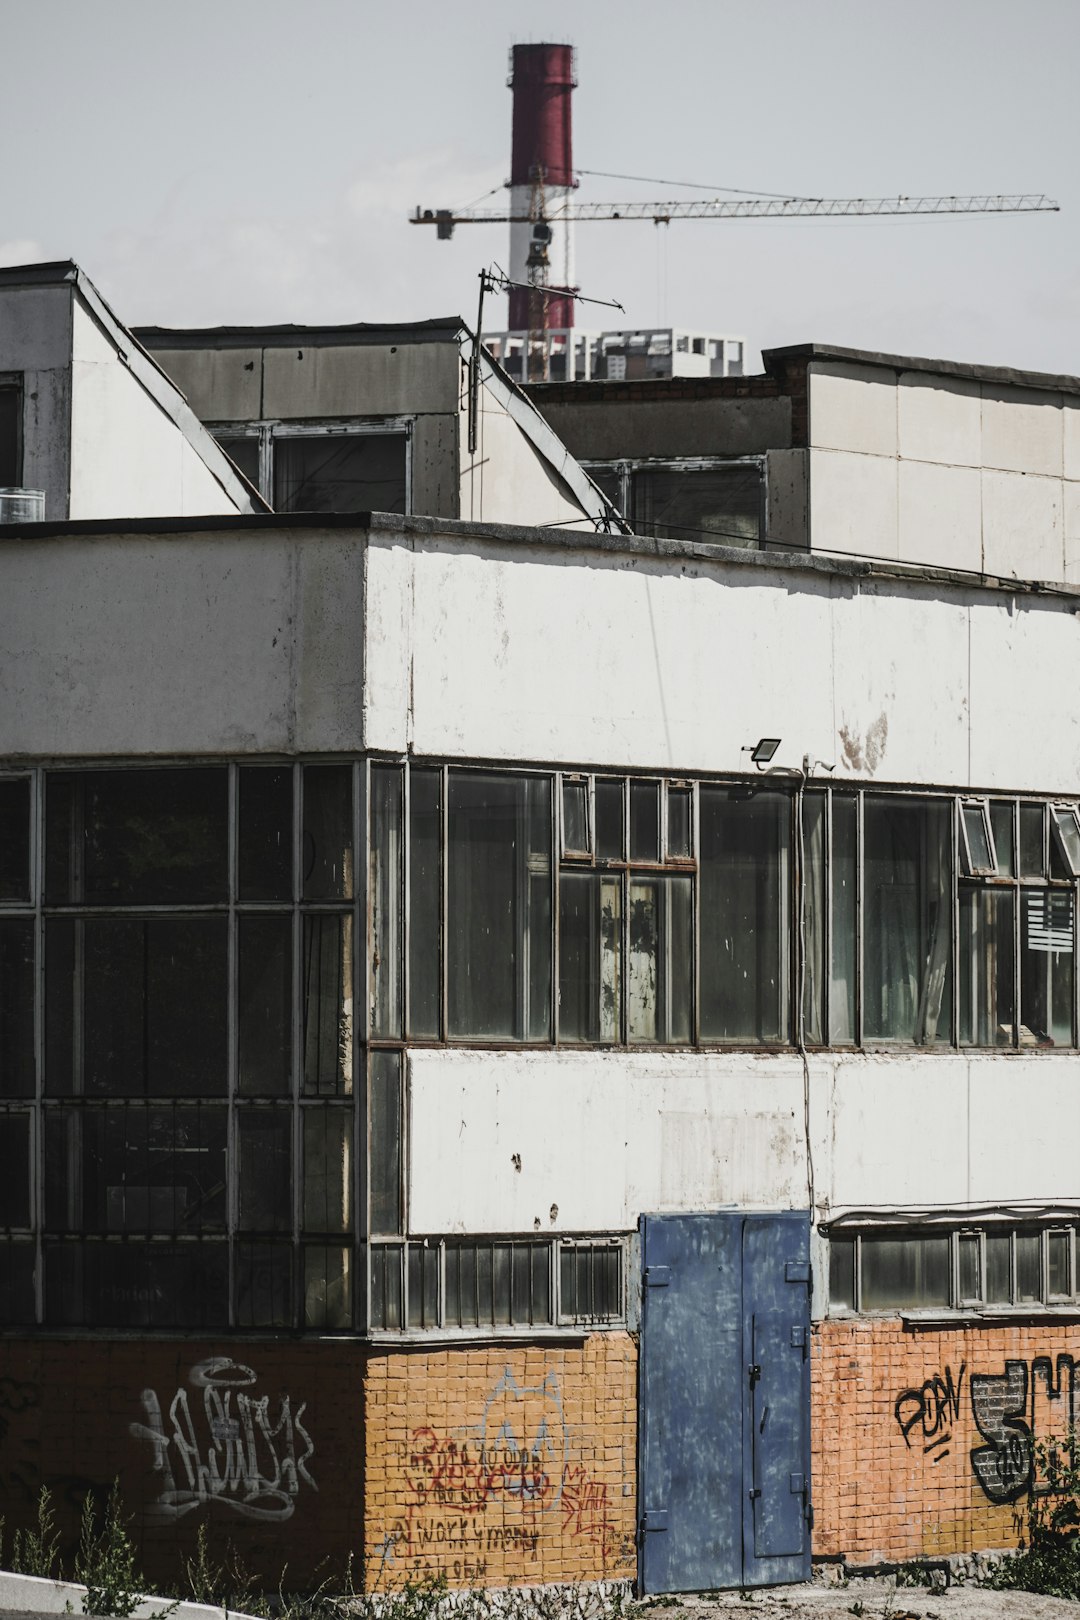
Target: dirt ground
<point x="876" y="1599"/>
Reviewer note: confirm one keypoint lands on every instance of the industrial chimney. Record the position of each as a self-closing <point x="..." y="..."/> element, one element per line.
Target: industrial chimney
<point x="541" y="165"/>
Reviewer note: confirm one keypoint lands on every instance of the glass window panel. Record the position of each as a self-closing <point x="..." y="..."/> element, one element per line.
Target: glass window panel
<point x="499" y="899"/>
<point x="719" y="505"/>
<point x="843" y="888"/>
<point x="745" y="904"/>
<point x="1046" y="967"/>
<point x="10" y="437"/>
<point x="485" y="1304"/>
<point x="264" y="1285"/>
<point x="659" y="956"/>
<point x="1001" y="823"/>
<point x="386" y="1287"/>
<point x="264" y="1011"/>
<point x="1066" y="837"/>
<point x="327" y="1287"/>
<point x="1059" y="1265"/>
<point x="353" y="472"/>
<point x="540" y="1285"/>
<point x="609" y="806"/>
<point x="387" y="899"/>
<point x="17" y="1303"/>
<point x="135" y="1170"/>
<point x="265" y="1154"/>
<point x="14" y="1170"/>
<point x="137" y="837"/>
<point x="1029" y="1284"/>
<point x="813" y="919"/>
<point x="327" y="989"/>
<point x="590" y="957"/>
<point x="423" y="1263"/>
<point x="17" y="1066"/>
<point x="14" y="837"/>
<point x="150" y="997"/>
<point x="500" y="1283"/>
<point x="678" y="823"/>
<point x="328" y="831"/>
<point x="521" y="1284"/>
<point x="998" y="1268"/>
<point x="575" y="816"/>
<point x="153" y="1285"/>
<point x="907" y="903"/>
<point x="1032" y="841"/>
<point x="975" y="842"/>
<point x="906" y="1273"/>
<point x="384" y="1175"/>
<point x="327" y="1203"/>
<point x="265" y="833"/>
<point x="243" y="451"/>
<point x="460" y="1285"/>
<point x="987" y="962"/>
<point x="425" y="903"/>
<point x="842" y="1273"/>
<point x="970" y="1267"/>
<point x="644" y="821"/>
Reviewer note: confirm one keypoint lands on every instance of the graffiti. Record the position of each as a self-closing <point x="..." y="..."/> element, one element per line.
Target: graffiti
<point x="932" y="1408"/>
<point x="585" y="1511"/>
<point x="518" y="1450"/>
<point x="238" y="1455"/>
<point x="1012" y="1413"/>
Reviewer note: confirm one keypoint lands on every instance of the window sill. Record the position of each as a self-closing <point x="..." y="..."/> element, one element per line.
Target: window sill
<point x="979" y="1315"/>
<point x="566" y="1332"/>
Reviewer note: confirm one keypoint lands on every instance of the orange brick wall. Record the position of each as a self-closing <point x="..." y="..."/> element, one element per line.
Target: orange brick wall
<point x="502" y="1464"/>
<point x="179" y="1424"/>
<point x="958" y="1479"/>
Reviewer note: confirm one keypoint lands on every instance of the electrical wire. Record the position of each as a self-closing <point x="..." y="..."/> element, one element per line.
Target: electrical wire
<point x="697" y="185"/>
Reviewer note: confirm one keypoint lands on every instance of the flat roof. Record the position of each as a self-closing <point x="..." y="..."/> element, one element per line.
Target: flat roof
<point x="1010" y="376"/>
<point x="443" y="329"/>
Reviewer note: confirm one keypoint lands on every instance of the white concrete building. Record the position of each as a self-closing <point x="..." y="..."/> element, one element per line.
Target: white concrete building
<point x="464" y="983"/>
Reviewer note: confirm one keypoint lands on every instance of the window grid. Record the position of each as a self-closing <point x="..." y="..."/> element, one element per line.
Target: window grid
<point x="1012" y="1267"/>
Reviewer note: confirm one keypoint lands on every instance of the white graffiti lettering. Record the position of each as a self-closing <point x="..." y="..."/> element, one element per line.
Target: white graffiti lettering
<point x="238" y="1455"/>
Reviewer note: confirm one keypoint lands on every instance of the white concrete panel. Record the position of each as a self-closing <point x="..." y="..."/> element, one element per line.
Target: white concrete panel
<point x="600" y="1137"/>
<point x="853" y="407"/>
<point x="220" y="385"/>
<point x="1025" y="673"/>
<point x="526" y="654"/>
<point x="1070" y="422"/>
<point x="364" y="379"/>
<point x="1025" y="1124"/>
<point x="900" y="1131"/>
<point x="508" y="481"/>
<point x="940" y="419"/>
<point x="1071" y="524"/>
<point x="175" y="644"/>
<point x="1022" y="526"/>
<point x="941" y="515"/>
<point x="35" y="328"/>
<point x="853" y="504"/>
<point x="1022" y="430"/>
<point x="900" y="682"/>
<point x="786" y="485"/>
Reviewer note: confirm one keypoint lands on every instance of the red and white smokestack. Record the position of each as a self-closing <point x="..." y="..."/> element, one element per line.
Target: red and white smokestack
<point x="542" y="79"/>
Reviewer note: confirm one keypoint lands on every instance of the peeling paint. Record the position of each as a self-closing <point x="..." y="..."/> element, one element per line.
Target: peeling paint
<point x="866" y="754"/>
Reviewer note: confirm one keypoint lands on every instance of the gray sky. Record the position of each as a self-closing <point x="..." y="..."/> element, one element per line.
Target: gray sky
<point x="255" y="160"/>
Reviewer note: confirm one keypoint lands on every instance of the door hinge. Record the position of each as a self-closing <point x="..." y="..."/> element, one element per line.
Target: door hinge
<point x="753" y="1493"/>
<point x="754" y="1372"/>
<point x="797" y="1271"/>
<point x="657" y="1276"/>
<point x="654" y="1519"/>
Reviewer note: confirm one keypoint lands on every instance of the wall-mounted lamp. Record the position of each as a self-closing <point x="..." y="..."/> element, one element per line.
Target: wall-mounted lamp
<point x="762" y="751"/>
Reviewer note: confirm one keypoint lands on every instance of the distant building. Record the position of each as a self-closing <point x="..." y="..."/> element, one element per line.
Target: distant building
<point x="574" y="354"/>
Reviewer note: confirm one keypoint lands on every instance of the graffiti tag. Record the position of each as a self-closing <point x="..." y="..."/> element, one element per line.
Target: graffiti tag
<point x="932" y="1408"/>
<point x="237" y="1454"/>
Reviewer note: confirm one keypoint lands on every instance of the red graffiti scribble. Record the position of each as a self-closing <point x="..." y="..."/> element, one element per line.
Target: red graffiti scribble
<point x="453" y="1473"/>
<point x="585" y="1508"/>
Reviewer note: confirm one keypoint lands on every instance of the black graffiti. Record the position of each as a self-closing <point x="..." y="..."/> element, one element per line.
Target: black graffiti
<point x="932" y="1408"/>
<point x="999" y="1406"/>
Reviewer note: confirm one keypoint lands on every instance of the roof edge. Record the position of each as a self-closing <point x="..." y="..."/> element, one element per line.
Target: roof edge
<point x="777" y="360"/>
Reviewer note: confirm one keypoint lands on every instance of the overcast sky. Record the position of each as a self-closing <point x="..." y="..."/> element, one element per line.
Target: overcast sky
<point x="244" y="161"/>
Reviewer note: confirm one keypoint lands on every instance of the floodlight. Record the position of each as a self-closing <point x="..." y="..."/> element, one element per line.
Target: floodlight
<point x="763" y="750"/>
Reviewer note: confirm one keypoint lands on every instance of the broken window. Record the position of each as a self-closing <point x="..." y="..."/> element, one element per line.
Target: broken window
<point x="715" y="504"/>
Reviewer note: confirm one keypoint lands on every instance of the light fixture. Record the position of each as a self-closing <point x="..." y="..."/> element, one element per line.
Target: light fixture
<point x="763" y="750"/>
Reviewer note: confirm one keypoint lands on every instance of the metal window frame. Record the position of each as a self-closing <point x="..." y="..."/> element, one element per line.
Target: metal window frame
<point x="982" y="805"/>
<point x="267" y="430"/>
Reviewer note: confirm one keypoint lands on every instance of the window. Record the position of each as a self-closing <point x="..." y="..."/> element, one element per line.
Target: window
<point x="995" y="1266"/>
<point x="705" y="501"/>
<point x="906" y="920"/>
<point x="330" y="467"/>
<point x="745" y="914"/>
<point x="11" y="469"/>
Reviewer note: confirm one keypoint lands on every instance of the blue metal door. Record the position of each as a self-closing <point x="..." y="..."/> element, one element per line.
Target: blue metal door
<point x="724" y="1395"/>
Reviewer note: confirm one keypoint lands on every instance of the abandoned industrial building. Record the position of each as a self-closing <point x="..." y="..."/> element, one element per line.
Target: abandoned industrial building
<point x="538" y="1050"/>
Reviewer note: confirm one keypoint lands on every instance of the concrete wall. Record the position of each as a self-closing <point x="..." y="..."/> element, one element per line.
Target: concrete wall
<point x="502" y="1464"/>
<point x="943" y="470"/>
<point x="36" y="326"/>
<point x="611" y="429"/>
<point x="127" y="456"/>
<point x="508" y="480"/>
<point x="922" y="1439"/>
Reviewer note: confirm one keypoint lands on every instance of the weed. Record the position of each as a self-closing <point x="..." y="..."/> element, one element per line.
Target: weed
<point x="1049" y="1557"/>
<point x="36" y="1552"/>
<point x="106" y="1561"/>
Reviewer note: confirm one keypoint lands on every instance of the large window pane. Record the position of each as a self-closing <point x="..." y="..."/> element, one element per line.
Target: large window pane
<point x="384" y="1169"/>
<point x="265" y="1138"/>
<point x="264" y="1014"/>
<point x="843" y="889"/>
<point x="659" y="958"/>
<point x="745" y="908"/>
<point x="17" y="1302"/>
<point x="987" y="962"/>
<point x="906" y="1273"/>
<point x="266" y="833"/>
<point x="327" y="988"/>
<point x="590" y="957"/>
<point x="387" y="900"/>
<point x="721" y="505"/>
<point x="15" y="837"/>
<point x="499" y="923"/>
<point x="354" y="472"/>
<point x="16" y="1007"/>
<point x="327" y="1287"/>
<point x="155" y="1285"/>
<point x="1046" y="967"/>
<point x="14" y="1170"/>
<point x="907" y="901"/>
<point x="264" y="1285"/>
<point x="328" y="832"/>
<point x="327" y="1203"/>
<point x="137" y="837"/>
<point x="813" y="916"/>
<point x="148" y="996"/>
<point x="425" y="903"/>
<point x="135" y="1170"/>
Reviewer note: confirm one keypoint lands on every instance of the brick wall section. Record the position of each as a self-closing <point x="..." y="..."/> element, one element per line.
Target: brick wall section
<point x="972" y="1400"/>
<point x="281" y="1484"/>
<point x="502" y="1464"/>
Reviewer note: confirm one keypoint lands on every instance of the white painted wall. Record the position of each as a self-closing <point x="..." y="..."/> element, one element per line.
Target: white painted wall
<point x="127" y="456"/>
<point x="510" y="650"/>
<point x="606" y="1136"/>
<point x="507" y="480"/>
<point x="947" y="471"/>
